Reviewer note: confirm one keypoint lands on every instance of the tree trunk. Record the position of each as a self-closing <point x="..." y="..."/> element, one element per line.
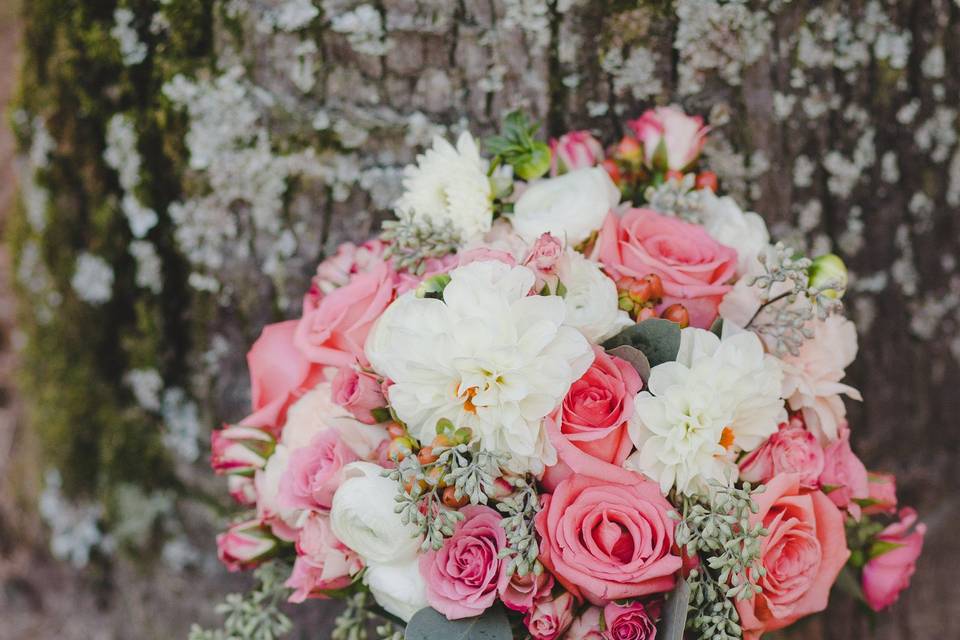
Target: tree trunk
<point x="263" y="132"/>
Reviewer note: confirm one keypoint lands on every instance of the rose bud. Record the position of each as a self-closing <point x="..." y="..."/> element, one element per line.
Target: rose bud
<point x="671" y="139"/>
<point x="707" y="180"/>
<point x="829" y="272"/>
<point x="359" y="393"/>
<point x="677" y="313"/>
<point x="245" y="545"/>
<point x="894" y="557"/>
<point x="883" y="493"/>
<point x="575" y="150"/>
<point x="242" y="489"/>
<point x="240" y="450"/>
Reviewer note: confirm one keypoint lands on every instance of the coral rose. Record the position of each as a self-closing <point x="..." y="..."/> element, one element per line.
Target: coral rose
<point x="606" y="541"/>
<point x="694" y="268"/>
<point x="589" y="429"/>
<point x="803" y="553"/>
<point x="792" y="449"/>
<point x="463" y="576"/>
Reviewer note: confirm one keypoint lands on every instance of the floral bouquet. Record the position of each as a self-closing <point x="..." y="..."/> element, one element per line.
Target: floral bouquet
<point x="569" y="392"/>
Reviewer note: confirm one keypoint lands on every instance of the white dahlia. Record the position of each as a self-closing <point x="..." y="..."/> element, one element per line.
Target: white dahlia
<point x="488" y="357"/>
<point x="449" y="185"/>
<point x="716" y="399"/>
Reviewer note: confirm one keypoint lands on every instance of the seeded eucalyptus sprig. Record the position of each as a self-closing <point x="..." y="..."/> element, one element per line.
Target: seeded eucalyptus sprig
<point x="718" y="529"/>
<point x="411" y="242"/>
<point x="254" y="615"/>
<point x="520" y="509"/>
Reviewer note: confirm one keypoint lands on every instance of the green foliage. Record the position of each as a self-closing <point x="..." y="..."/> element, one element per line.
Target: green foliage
<point x="656" y="338"/>
<point x="428" y="624"/>
<point x="254" y="615"/>
<point x="517" y="147"/>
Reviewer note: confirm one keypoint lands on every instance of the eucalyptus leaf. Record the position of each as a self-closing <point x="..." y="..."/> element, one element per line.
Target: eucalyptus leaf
<point x="658" y="339"/>
<point x="717" y="327"/>
<point x="635" y="357"/>
<point x="429" y="624"/>
<point x="674" y="618"/>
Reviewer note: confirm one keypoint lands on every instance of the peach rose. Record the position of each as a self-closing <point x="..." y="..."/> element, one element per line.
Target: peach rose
<point x="694" y="268"/>
<point x="803" y="553"/>
<point x="589" y="428"/>
<point x="606" y="541"/>
<point x="334" y="328"/>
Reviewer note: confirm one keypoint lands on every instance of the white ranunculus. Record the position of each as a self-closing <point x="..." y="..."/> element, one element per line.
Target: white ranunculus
<point x="728" y="224"/>
<point x="488" y="357"/>
<point x="716" y="399"/>
<point x="571" y="206"/>
<point x="449" y="185"/>
<point x="316" y="412"/>
<point x="363" y="518"/>
<point x="593" y="306"/>
<point x="399" y="588"/>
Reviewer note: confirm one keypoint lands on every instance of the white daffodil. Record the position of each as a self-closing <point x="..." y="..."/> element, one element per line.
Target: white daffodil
<point x="717" y="398"/>
<point x="488" y="356"/>
<point x="449" y="186"/>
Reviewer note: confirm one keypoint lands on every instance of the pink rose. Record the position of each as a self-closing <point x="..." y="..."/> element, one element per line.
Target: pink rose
<point x="629" y="622"/>
<point x="694" y="268"/>
<point x="550" y="617"/>
<point x="349" y="260"/>
<point x="242" y="489"/>
<point x="575" y="150"/>
<point x="606" y="541"/>
<point x="587" y="626"/>
<point x="520" y="592"/>
<point x="314" y="472"/>
<point x="277" y="371"/>
<point x="886" y="575"/>
<point x="844" y="478"/>
<point x="245" y="545"/>
<point x="592" y="437"/>
<point x="803" y="553"/>
<point x="359" y="393"/>
<point x="882" y="489"/>
<point x="463" y="577"/>
<point x="333" y="330"/>
<point x="792" y="449"/>
<point x="671" y="139"/>
<point x="239" y="450"/>
<point x="323" y="562"/>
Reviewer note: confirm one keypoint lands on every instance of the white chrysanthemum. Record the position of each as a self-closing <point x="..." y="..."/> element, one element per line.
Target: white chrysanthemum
<point x="717" y="398"/>
<point x="591" y="298"/>
<point x="449" y="185"/>
<point x="488" y="357"/>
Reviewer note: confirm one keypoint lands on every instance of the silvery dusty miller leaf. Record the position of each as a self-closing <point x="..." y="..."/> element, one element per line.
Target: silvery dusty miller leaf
<point x="674" y="618"/>
<point x="429" y="624"/>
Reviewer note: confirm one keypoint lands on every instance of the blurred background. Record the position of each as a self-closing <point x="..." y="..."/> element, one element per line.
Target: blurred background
<point x="171" y="171"/>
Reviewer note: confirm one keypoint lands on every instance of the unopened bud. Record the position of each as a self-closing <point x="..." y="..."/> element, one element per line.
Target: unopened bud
<point x="707" y="180"/>
<point x="830" y="274"/>
<point x="433" y="286"/>
<point x="629" y="150"/>
<point x="451" y="500"/>
<point x="677" y="313"/>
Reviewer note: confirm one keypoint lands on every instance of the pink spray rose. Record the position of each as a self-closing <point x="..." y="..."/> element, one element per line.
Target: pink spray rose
<point x="242" y="489"/>
<point x="520" y="592"/>
<point x="359" y="393"/>
<point x="671" y="139"/>
<point x="802" y="554"/>
<point x="240" y="450"/>
<point x="277" y="371"/>
<point x="245" y="545"/>
<point x="314" y="473"/>
<point x="575" y="150"/>
<point x="792" y="449"/>
<point x="323" y="562"/>
<point x="844" y="478"/>
<point x="886" y="575"/>
<point x="550" y="617"/>
<point x="544" y="260"/>
<point x="606" y="541"/>
<point x="589" y="429"/>
<point x="333" y="330"/>
<point x="882" y="489"/>
<point x="694" y="268"/>
<point x="587" y="626"/>
<point x="629" y="622"/>
<point x="463" y="577"/>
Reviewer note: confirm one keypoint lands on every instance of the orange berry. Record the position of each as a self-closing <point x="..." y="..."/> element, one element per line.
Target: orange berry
<point x="677" y="313"/>
<point x="426" y="455"/>
<point x="707" y="180"/>
<point x="451" y="500"/>
<point x="656" y="286"/>
<point x="396" y="430"/>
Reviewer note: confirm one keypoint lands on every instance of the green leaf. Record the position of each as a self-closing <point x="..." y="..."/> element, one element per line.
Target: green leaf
<point x="635" y="357"/>
<point x="381" y="414"/>
<point x="674" y="619"/>
<point x="429" y="624"/>
<point x="658" y="339"/>
<point x="848" y="583"/>
<point x="880" y="547"/>
<point x="717" y="327"/>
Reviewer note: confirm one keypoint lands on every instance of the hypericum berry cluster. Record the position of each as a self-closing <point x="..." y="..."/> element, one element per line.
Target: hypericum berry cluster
<point x="641" y="297"/>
